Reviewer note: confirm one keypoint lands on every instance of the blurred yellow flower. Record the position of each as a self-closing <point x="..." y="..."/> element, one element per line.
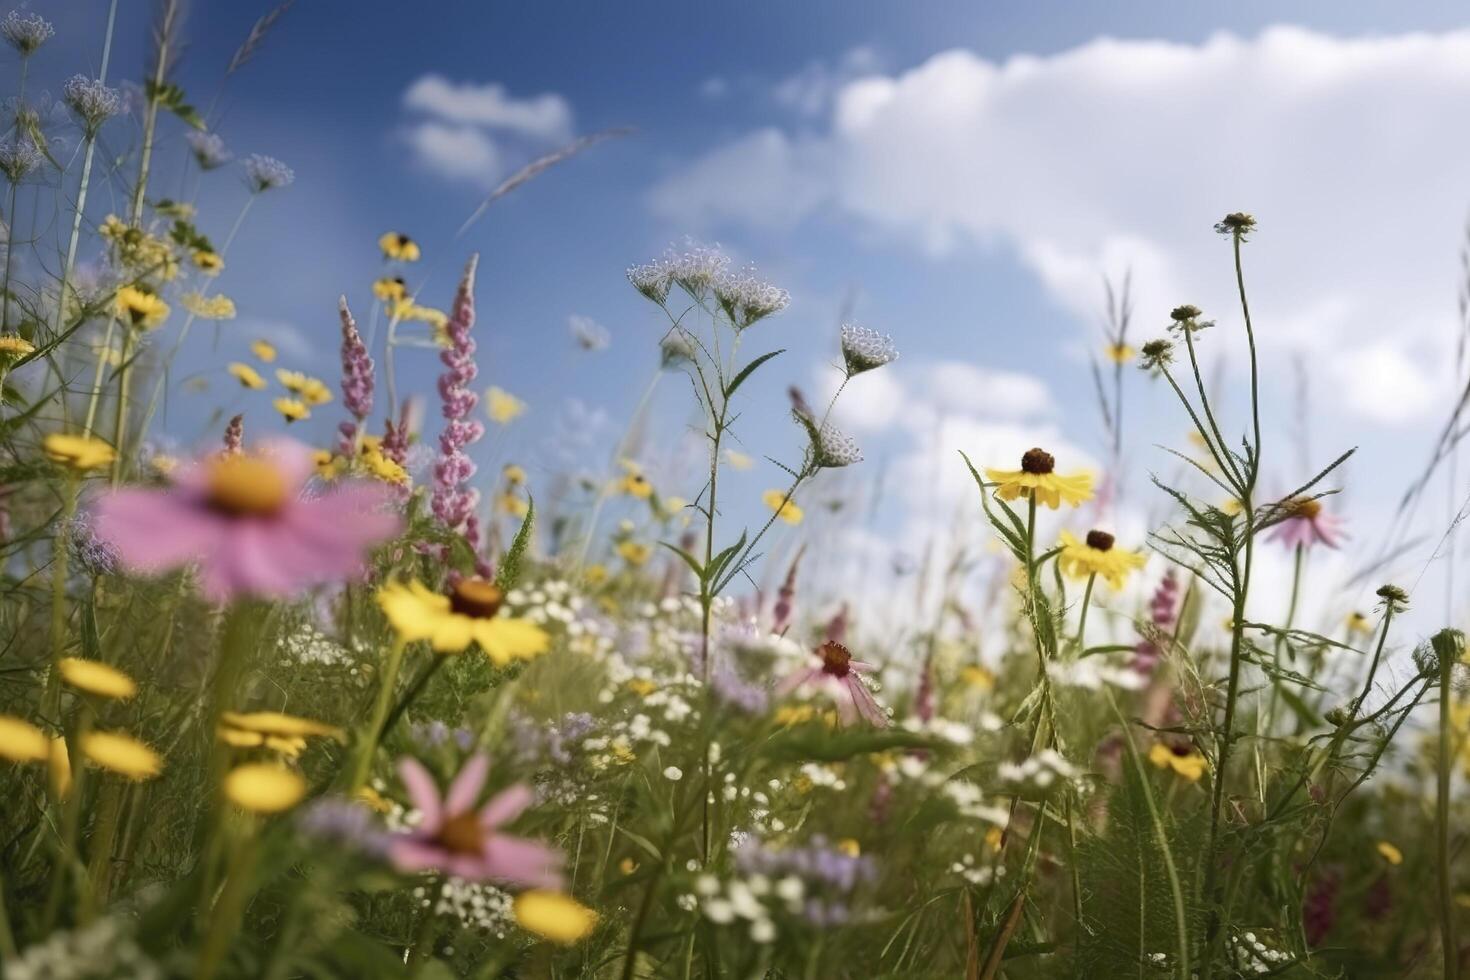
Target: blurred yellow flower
<point x="408" y="310"/>
<point x="315" y="392"/>
<point x="738" y="460"/>
<point x="163" y="465"/>
<point x="98" y="678"/>
<point x="1097" y="555"/>
<point x="208" y="262"/>
<point x="264" y="350"/>
<point x="1120" y="353"/>
<point x="595" y="574"/>
<point x="390" y="289"/>
<point x="553" y="916"/>
<point x="503" y="407"/>
<point x="291" y="380"/>
<point x="514" y="475"/>
<point x="380" y="467"/>
<point x="1188" y="763"/>
<point x="1036" y="479"/>
<point x="140" y="310"/>
<point x="1358" y="623"/>
<point x="291" y="409"/>
<point x="328" y="466"/>
<point x="978" y="677"/>
<point x="13" y="346"/>
<point x="1391" y="854"/>
<point x="635" y="485"/>
<point x="279" y="723"/>
<point x="399" y="247"/>
<point x="784" y="508"/>
<point x="121" y="754"/>
<point x="509" y="503"/>
<point x="77" y="452"/>
<point x="246" y="375"/>
<point x="470" y="613"/>
<point x="216" y="307"/>
<point x="634" y="552"/>
<point x="20" y="741"/>
<point x="264" y="787"/>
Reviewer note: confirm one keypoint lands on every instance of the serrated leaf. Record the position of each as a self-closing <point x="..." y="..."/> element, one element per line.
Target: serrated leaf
<point x="509" y="571"/>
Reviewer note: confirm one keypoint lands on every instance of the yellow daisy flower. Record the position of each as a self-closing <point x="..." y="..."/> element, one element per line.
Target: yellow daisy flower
<point x="513" y="474"/>
<point x="850" y="847"/>
<point x="1120" y="353"/>
<point x="328" y="466"/>
<point x="503" y="407"/>
<point x="553" y="916"/>
<point x="1358" y="623"/>
<point x="1036" y="479"/>
<point x="315" y="392"/>
<point x="291" y="409"/>
<point x="246" y="375"/>
<point x="216" y="307"/>
<point x="140" y="310"/>
<point x="1188" y="763"/>
<point x="264" y="787"/>
<point x="97" y="678"/>
<point x="208" y="262"/>
<point x="1391" y="854"/>
<point x="390" y="289"/>
<point x="469" y="613"/>
<point x="13" y="347"/>
<point x="398" y="247"/>
<point x="264" y="350"/>
<point x="1097" y="556"/>
<point x="278" y="723"/>
<point x="20" y="741"/>
<point x="382" y="468"/>
<point x="635" y="485"/>
<point x="634" y="552"/>
<point x="784" y="508"/>
<point x="509" y="503"/>
<point x="408" y="310"/>
<point x="121" y="754"/>
<point x="77" y="453"/>
<point x="292" y="380"/>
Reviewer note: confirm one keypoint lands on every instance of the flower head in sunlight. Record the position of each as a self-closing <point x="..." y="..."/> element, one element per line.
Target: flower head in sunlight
<point x="380" y="467"/>
<point x="1119" y="353"/>
<point x="634" y="552"/>
<point x="457" y="836"/>
<point x="405" y="309"/>
<point x="553" y="916"/>
<point x="327" y="464"/>
<point x="1037" y="479"/>
<point x="1390" y="853"/>
<point x="1305" y="523"/>
<point x="95" y="677"/>
<point x="398" y="247"/>
<point x="91" y="101"/>
<point x="291" y="409"/>
<point x="472" y="611"/>
<point x="264" y="787"/>
<point x="20" y="741"/>
<point x="77" y="453"/>
<point x="13" y="347"/>
<point x="208" y="149"/>
<point x="864" y="349"/>
<point x="1157" y="355"/>
<point x="633" y="483"/>
<point x="26" y="32"/>
<point x="746" y="298"/>
<point x="503" y="407"/>
<point x="697" y="269"/>
<point x="315" y="392"/>
<point x="390" y="289"/>
<point x="738" y="460"/>
<point x="280" y="733"/>
<point x="208" y="262"/>
<point x="838" y="676"/>
<point x="1358" y="624"/>
<point x="122" y="754"/>
<point x="653" y="280"/>
<point x="246" y="375"/>
<point x="1185" y="760"/>
<point x="785" y="508"/>
<point x="1098" y="555"/>
<point x="140" y="309"/>
<point x="264" y="350"/>
<point x="1237" y="224"/>
<point x="216" y="307"/>
<point x="828" y="446"/>
<point x="513" y="474"/>
<point x="243" y="520"/>
<point x="509" y="503"/>
<point x="263" y="173"/>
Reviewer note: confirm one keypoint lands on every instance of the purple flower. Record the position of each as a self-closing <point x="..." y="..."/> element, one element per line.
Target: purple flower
<point x="347" y="823"/>
<point x="357" y="368"/>
<point x="453" y="500"/>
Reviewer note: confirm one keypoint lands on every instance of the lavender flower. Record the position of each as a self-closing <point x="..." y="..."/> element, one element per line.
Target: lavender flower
<point x="26" y="32"/>
<point x="18" y="158"/>
<point x="263" y="173"/>
<point x="453" y="500"/>
<point x="209" y="150"/>
<point x="1162" y="610"/>
<point x="348" y="824"/>
<point x="90" y="553"/>
<point x="817" y="863"/>
<point x="93" y="102"/>
<point x="357" y="375"/>
<point x="234" y="435"/>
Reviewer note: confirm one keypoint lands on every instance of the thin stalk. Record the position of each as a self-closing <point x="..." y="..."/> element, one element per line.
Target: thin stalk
<point x="120" y="414"/>
<point x="1086" y="602"/>
<point x="1357" y="704"/>
<point x="103" y="353"/>
<point x="380" y="715"/>
<point x="60" y="552"/>
<point x="1447" y="942"/>
<point x="9" y="251"/>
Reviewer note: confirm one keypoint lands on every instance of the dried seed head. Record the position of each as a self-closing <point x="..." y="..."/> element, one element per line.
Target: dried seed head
<point x="1393" y="597"/>
<point x="1237" y="224"/>
<point x="1156" y="354"/>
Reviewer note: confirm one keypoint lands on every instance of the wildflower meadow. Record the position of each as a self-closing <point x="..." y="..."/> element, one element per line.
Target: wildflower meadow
<point x="325" y="678"/>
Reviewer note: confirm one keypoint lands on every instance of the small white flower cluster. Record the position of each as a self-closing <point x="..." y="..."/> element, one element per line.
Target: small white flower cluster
<point x="555" y="605"/>
<point x="621" y="746"/>
<point x="970" y="802"/>
<point x="824" y="777"/>
<point x="746" y="298"/>
<point x="307" y="645"/>
<point x="100" y="951"/>
<point x="761" y="820"/>
<point x="652" y="280"/>
<point x="263" y="173"/>
<point x="694" y="271"/>
<point x="976" y="873"/>
<point x="1092" y="673"/>
<point x="864" y="349"/>
<point x="26" y="32"/>
<point x="1039" y="771"/>
<point x="953" y="732"/>
<point x="745" y="899"/>
<point x="831" y="448"/>
<point x="1256" y="957"/>
<point x="474" y="905"/>
<point x="92" y="101"/>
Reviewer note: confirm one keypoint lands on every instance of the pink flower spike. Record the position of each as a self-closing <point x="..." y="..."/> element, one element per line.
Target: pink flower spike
<point x="242" y="517"/>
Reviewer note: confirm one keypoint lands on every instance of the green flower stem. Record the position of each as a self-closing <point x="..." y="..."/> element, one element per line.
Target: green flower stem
<point x="68" y="859"/>
<point x="224" y="917"/>
<point x="59" y="557"/>
<point x="604" y="488"/>
<point x="1086" y="603"/>
<point x="375" y="727"/>
<point x="120" y="416"/>
<point x="1447" y="942"/>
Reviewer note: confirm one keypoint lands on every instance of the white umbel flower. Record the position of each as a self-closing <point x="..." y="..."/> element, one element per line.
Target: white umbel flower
<point x="26" y="32"/>
<point x="830" y="447"/>
<point x="746" y="298"/>
<point x="864" y="349"/>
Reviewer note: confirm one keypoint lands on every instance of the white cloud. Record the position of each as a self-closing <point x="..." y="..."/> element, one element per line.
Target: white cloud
<point x="545" y="117"/>
<point x="1122" y="154"/>
<point x="460" y="152"/>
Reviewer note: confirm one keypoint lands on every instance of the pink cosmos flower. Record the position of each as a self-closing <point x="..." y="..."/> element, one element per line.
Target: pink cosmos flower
<point x="836" y="674"/>
<point x="243" y="519"/>
<point x="1307" y="524"/>
<point x="455" y="837"/>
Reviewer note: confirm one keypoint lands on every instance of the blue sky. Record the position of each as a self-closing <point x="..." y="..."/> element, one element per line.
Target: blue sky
<point x="960" y="175"/>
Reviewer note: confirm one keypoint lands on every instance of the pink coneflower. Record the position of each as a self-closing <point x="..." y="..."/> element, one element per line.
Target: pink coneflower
<point x="460" y="839"/>
<point x="1306" y="524"/>
<point x="837" y="674"/>
<point x="243" y="519"/>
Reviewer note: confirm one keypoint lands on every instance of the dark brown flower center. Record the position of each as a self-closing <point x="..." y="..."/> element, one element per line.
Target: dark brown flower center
<point x="1101" y="540"/>
<point x="461" y="834"/>
<point x="836" y="660"/>
<point x="476" y="598"/>
<point x="1038" y="461"/>
<point x="1304" y="507"/>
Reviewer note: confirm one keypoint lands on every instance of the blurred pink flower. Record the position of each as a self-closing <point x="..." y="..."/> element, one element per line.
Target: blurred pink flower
<point x="243" y="519"/>
<point x="455" y="837"/>
<point x="837" y="675"/>
<point x="1307" y="524"/>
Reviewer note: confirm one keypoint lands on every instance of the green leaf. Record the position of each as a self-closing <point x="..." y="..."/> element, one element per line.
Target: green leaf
<point x="745" y="372"/>
<point x="510" y="563"/>
<point x="814" y="743"/>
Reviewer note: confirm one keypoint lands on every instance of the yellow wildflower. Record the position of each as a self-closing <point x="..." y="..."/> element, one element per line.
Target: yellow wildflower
<point x="121" y="754"/>
<point x="315" y="392"/>
<point x="399" y="247"/>
<point x="216" y="307"/>
<point x="77" y="452"/>
<point x="1097" y="556"/>
<point x="642" y="686"/>
<point x="20" y="741"/>
<point x="390" y="289"/>
<point x="328" y="466"/>
<point x="163" y="464"/>
<point x="1391" y="854"/>
<point x="595" y="574"/>
<point x="279" y="723"/>
<point x="264" y="787"/>
<point x="1036" y="479"/>
<point x="978" y="678"/>
<point x="1358" y="623"/>
<point x="292" y="380"/>
<point x="139" y="309"/>
<point x="380" y="467"/>
<point x="553" y="916"/>
<point x="513" y="474"/>
<point x="738" y="460"/>
<point x="503" y="407"/>
<point x="246" y="375"/>
<point x="469" y="614"/>
<point x="291" y="409"/>
<point x="849" y="846"/>
<point x="509" y="503"/>
<point x="208" y="262"/>
<point x="634" y="552"/>
<point x="97" y="678"/>
<point x="1188" y="763"/>
<point x="1120" y="353"/>
<point x="13" y="347"/>
<point x="785" y="508"/>
<point x="405" y="309"/>
<point x="264" y="350"/>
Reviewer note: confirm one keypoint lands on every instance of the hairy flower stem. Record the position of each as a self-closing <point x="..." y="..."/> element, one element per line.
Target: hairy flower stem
<point x="374" y="730"/>
<point x="1357" y="703"/>
<point x="1448" y="945"/>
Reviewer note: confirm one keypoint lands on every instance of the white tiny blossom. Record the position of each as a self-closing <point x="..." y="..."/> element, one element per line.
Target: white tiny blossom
<point x="746" y="298"/>
<point x="18" y="158"/>
<point x="864" y="349"/>
<point x="673" y="774"/>
<point x="26" y="32"/>
<point x="92" y="101"/>
<point x="208" y="149"/>
<point x="263" y="173"/>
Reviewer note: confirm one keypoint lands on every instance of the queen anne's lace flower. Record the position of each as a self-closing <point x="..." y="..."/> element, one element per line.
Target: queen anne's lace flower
<point x="208" y="149"/>
<point x="830" y="447"/>
<point x="864" y="349"/>
<point x="93" y="102"/>
<point x="18" y="158"/>
<point x="746" y="298"/>
<point x="265" y="173"/>
<point x="26" y="32"/>
<point x="652" y="280"/>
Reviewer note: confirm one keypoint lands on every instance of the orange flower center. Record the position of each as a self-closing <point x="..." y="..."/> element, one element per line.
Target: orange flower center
<point x="1305" y="507"/>
<point x="245" y="486"/>
<point x="1101" y="540"/>
<point x="836" y="660"/>
<point x="476" y="598"/>
<point x="1038" y="462"/>
<point x="461" y="834"/>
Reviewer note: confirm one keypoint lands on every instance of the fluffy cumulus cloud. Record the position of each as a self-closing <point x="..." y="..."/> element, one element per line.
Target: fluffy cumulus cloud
<point x="474" y="132"/>
<point x="1121" y="154"/>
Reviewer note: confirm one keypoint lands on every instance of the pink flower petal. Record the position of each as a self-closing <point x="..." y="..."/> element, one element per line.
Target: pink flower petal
<point x="409" y="854"/>
<point x="154" y="530"/>
<point x="506" y="805"/>
<point x="792" y="681"/>
<point x="524" y="862"/>
<point x="465" y="789"/>
<point x="423" y="792"/>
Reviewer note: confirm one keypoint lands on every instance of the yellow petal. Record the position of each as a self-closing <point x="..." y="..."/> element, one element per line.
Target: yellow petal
<point x="554" y="916"/>
<point x="263" y="787"/>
